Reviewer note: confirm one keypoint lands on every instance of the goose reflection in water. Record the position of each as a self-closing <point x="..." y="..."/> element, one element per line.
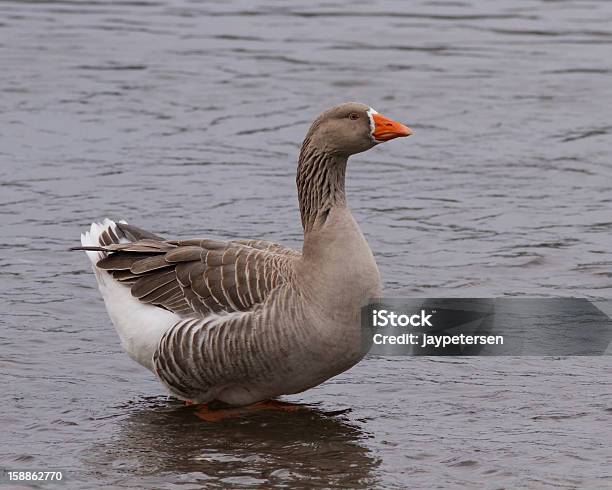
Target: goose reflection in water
<point x="169" y="443"/>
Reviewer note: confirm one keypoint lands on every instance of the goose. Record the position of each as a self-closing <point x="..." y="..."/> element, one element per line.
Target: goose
<point x="244" y="321"/>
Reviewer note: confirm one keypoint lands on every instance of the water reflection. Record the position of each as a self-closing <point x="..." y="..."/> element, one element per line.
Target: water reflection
<point x="269" y="448"/>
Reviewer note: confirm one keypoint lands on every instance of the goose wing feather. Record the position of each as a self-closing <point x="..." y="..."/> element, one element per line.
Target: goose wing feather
<point x="199" y="276"/>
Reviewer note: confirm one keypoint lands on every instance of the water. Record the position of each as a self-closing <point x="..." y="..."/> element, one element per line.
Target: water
<point x="185" y="118"/>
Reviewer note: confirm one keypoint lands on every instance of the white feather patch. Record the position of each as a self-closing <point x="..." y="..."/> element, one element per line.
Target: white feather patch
<point x="370" y="112"/>
<point x="140" y="326"/>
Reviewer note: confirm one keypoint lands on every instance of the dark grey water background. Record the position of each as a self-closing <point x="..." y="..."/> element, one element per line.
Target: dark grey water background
<point x="185" y="118"/>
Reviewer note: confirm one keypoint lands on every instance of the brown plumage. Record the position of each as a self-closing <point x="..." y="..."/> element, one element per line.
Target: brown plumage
<point x="244" y="320"/>
<point x="198" y="276"/>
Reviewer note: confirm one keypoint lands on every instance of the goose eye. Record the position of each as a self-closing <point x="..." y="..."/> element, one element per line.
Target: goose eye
<point x="353" y="116"/>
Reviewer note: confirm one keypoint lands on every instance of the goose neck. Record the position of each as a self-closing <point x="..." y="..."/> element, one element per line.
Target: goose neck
<point x="320" y="185"/>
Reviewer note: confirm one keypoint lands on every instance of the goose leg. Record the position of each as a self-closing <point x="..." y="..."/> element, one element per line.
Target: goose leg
<point x="205" y="412"/>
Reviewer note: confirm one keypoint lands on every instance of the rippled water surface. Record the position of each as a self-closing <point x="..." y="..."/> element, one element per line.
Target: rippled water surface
<point x="185" y="118"/>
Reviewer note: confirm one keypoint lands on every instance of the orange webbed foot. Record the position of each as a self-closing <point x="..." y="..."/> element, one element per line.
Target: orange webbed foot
<point x="205" y="412"/>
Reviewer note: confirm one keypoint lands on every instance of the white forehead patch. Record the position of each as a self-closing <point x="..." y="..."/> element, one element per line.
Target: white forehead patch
<point x="370" y="112"/>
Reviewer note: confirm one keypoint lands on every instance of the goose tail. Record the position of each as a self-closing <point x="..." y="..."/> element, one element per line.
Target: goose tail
<point x="140" y="326"/>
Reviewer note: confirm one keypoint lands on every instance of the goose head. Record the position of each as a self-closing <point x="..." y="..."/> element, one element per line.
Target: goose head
<point x="351" y="128"/>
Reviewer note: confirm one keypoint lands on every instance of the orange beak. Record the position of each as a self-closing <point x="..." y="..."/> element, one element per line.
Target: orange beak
<point x="386" y="129"/>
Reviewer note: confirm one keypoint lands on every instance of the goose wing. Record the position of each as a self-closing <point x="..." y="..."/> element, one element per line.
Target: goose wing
<point x="198" y="276"/>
